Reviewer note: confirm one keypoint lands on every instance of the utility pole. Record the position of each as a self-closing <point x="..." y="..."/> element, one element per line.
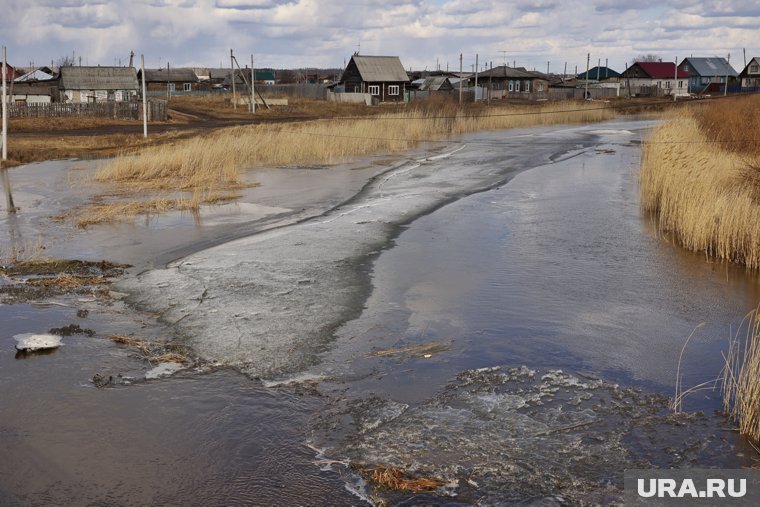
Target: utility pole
<point x="232" y="76"/>
<point x="564" y="73"/>
<point x="547" y="69"/>
<point x="460" y="79"/>
<point x="475" y="99"/>
<point x="167" y="83"/>
<point x="490" y="83"/>
<point x="598" y="69"/>
<point x="725" y="90"/>
<point x="675" y="81"/>
<point x="606" y="68"/>
<point x="253" y="80"/>
<point x="144" y="97"/>
<point x="588" y="62"/>
<point x="6" y="180"/>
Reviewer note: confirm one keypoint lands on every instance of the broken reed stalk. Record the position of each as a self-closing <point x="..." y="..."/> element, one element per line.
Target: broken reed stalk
<point x="741" y="377"/>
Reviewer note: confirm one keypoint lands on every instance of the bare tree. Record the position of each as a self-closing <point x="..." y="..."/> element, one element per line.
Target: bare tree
<point x="648" y="58"/>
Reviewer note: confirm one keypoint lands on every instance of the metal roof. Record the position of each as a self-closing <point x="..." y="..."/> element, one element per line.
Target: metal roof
<point x="602" y="72"/>
<point x="656" y="70"/>
<point x="706" y="67"/>
<point x="502" y="71"/>
<point x="98" y="78"/>
<point x="178" y="74"/>
<point x="380" y="68"/>
<point x="436" y="83"/>
<point x="35" y="75"/>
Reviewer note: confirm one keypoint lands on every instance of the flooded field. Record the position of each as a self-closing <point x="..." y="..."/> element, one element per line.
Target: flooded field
<point x="495" y="314"/>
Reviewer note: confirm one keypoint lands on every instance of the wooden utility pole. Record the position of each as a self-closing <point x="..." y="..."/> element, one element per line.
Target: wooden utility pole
<point x="475" y="99"/>
<point x="588" y="62"/>
<point x="167" y="84"/>
<point x="253" y="80"/>
<point x="675" y="80"/>
<point x="460" y="79"/>
<point x="547" y="69"/>
<point x="725" y="90"/>
<point x="490" y="83"/>
<point x="5" y="108"/>
<point x="598" y="70"/>
<point x="232" y="76"/>
<point x="6" y="180"/>
<point x="145" y="98"/>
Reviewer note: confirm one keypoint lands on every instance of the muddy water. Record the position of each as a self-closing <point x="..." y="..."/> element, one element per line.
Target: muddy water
<point x="521" y="248"/>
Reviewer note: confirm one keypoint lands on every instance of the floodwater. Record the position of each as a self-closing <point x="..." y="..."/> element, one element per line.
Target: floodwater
<point x="515" y="254"/>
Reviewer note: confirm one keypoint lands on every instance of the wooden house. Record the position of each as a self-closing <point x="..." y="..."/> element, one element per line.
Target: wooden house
<point x="437" y="84"/>
<point x="177" y="81"/>
<point x="503" y="81"/>
<point x="655" y="78"/>
<point x="97" y="84"/>
<point x="708" y="74"/>
<point x="382" y="77"/>
<point x="750" y="76"/>
<point x="598" y="74"/>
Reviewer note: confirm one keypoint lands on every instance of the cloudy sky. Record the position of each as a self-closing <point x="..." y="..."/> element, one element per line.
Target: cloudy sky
<point x="324" y="33"/>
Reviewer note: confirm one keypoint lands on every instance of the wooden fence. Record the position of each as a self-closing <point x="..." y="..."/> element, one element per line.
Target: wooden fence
<point x="157" y="110"/>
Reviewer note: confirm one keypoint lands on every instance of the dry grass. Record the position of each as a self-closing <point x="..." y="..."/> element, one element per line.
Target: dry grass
<point x="413" y="351"/>
<point x="397" y="479"/>
<point x="704" y="189"/>
<point x="67" y="282"/>
<point x="216" y="161"/>
<point x="106" y="212"/>
<point x="21" y="251"/>
<point x="741" y="377"/>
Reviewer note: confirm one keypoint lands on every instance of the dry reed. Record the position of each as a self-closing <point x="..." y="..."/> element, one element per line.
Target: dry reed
<point x="397" y="479"/>
<point x="216" y="162"/>
<point x="741" y="378"/>
<point x="703" y="192"/>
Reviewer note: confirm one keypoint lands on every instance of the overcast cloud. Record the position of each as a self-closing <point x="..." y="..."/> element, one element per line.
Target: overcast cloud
<point x="324" y="33"/>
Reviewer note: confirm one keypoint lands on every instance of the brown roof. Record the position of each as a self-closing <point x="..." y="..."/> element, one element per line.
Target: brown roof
<point x="98" y="78"/>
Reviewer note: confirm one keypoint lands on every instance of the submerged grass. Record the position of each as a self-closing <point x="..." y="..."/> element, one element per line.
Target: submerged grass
<point x="216" y="161"/>
<point x="702" y="179"/>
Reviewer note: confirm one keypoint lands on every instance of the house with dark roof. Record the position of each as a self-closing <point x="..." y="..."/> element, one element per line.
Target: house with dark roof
<point x="504" y="80"/>
<point x="243" y="77"/>
<point x="598" y="74"/>
<point x="655" y="78"/>
<point x="750" y="76"/>
<point x="436" y="84"/>
<point x="176" y="80"/>
<point x="383" y="77"/>
<point x="708" y="74"/>
<point x="97" y="84"/>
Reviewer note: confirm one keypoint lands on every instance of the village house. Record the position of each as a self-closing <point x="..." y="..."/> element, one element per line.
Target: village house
<point x="243" y="77"/>
<point x="176" y="81"/>
<point x="598" y="74"/>
<point x="383" y="77"/>
<point x="708" y="74"/>
<point x="655" y="78"/>
<point x="750" y="76"/>
<point x="97" y="84"/>
<point x="11" y="73"/>
<point x="504" y="81"/>
<point x="38" y="74"/>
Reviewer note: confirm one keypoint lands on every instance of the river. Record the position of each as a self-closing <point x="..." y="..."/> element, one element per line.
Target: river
<point x="509" y="255"/>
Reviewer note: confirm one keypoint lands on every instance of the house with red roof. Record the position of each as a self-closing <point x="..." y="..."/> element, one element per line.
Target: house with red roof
<point x="656" y="78"/>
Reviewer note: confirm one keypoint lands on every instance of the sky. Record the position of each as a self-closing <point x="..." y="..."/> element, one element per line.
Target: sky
<point x="423" y="33"/>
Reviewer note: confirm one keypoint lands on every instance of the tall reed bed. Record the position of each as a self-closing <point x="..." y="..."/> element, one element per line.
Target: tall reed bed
<point x="701" y="179"/>
<point x="741" y="378"/>
<point x="217" y="161"/>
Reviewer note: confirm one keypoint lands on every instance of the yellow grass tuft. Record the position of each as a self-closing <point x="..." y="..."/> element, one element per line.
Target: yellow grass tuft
<point x="703" y="187"/>
<point x="397" y="479"/>
<point x="216" y="161"/>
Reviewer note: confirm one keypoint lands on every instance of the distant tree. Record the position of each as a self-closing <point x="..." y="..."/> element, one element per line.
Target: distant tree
<point x="65" y="61"/>
<point x="648" y="58"/>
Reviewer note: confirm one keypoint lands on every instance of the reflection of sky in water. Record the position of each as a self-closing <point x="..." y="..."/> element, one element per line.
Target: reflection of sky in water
<point x="559" y="268"/>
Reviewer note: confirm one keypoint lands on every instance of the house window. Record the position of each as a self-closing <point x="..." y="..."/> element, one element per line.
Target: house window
<point x="188" y="87"/>
<point x="373" y="89"/>
<point x="659" y="84"/>
<point x="511" y="86"/>
<point x="527" y="86"/>
<point x="517" y="86"/>
<point x="171" y="87"/>
<point x="754" y="68"/>
<point x="686" y="68"/>
<point x="667" y="84"/>
<point x="540" y="87"/>
<point x="680" y="84"/>
<point x="393" y="90"/>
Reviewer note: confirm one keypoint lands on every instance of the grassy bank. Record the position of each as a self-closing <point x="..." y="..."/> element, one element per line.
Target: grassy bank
<point x="216" y="161"/>
<point x="701" y="175"/>
<point x="741" y="378"/>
